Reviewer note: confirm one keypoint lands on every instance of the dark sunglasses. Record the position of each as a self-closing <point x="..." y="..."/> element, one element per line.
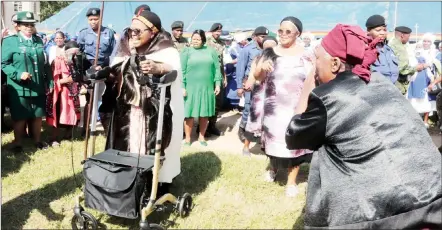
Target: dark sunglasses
<point x="27" y="24"/>
<point x="286" y="32"/>
<point x="136" y="31"/>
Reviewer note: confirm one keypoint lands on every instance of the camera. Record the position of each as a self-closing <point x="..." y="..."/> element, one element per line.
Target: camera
<point x="83" y="72"/>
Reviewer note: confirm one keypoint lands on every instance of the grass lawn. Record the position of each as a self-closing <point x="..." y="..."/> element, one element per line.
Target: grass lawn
<point x="38" y="190"/>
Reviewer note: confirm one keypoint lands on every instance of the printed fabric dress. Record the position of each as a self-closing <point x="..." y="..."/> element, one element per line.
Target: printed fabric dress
<point x="201" y="72"/>
<point x="273" y="106"/>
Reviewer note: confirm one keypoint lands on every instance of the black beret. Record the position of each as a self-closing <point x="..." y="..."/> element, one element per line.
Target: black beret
<point x="177" y="24"/>
<point x="93" y="12"/>
<point x="215" y="27"/>
<point x="261" y="30"/>
<point x="375" y="21"/>
<point x="152" y="18"/>
<point x="141" y="7"/>
<point x="403" y="29"/>
<point x="295" y="21"/>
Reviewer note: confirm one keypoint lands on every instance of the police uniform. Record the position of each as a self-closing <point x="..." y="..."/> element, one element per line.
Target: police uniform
<point x="387" y="63"/>
<point x="87" y="40"/>
<point x="21" y="54"/>
<point x="400" y="50"/>
<point x="182" y="42"/>
<point x="219" y="47"/>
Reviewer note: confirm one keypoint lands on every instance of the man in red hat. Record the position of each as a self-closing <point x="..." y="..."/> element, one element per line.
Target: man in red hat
<point x="376" y="166"/>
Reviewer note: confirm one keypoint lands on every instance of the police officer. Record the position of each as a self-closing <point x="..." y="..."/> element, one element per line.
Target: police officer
<point x="87" y="39"/>
<point x="29" y="78"/>
<point x="387" y="62"/>
<point x="398" y="44"/>
<point x="215" y="42"/>
<point x="177" y="35"/>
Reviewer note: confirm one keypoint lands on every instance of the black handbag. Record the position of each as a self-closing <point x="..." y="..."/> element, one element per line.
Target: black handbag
<point x="114" y="189"/>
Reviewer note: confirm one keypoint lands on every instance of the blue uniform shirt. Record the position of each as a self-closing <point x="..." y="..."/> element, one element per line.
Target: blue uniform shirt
<point x="87" y="39"/>
<point x="246" y="56"/>
<point x="387" y="63"/>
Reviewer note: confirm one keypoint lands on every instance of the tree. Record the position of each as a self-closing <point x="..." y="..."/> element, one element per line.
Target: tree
<point x="47" y="9"/>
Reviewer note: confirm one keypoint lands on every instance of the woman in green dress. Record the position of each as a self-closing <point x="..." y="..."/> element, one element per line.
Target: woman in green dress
<point x="29" y="78"/>
<point x="201" y="74"/>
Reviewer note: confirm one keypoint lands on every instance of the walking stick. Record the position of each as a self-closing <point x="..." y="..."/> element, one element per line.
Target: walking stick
<point x="94" y="97"/>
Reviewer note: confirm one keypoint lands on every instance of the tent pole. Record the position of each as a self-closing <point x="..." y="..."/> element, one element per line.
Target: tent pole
<point x="201" y="10"/>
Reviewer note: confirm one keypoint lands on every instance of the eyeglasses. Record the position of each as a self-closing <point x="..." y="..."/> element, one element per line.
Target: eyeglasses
<point x="286" y="32"/>
<point x="137" y="31"/>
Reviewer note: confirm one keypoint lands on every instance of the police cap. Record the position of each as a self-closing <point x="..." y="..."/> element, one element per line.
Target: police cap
<point x="177" y="25"/>
<point x="375" y="21"/>
<point x="215" y="27"/>
<point x="261" y="30"/>
<point x="403" y="29"/>
<point x="93" y="12"/>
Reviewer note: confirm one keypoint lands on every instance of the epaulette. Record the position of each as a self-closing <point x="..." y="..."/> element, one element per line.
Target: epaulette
<point x="82" y="30"/>
<point x="10" y="36"/>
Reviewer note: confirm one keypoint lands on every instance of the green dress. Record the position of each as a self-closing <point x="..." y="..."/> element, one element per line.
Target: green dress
<point x="27" y="100"/>
<point x="201" y="72"/>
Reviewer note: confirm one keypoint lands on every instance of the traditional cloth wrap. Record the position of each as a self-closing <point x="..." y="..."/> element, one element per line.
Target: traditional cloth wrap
<point x="352" y="45"/>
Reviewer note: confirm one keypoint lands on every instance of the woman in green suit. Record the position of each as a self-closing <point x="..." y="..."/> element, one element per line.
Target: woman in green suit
<point x="29" y="78"/>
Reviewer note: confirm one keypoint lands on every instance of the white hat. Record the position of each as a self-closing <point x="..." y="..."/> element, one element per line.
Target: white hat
<point x="240" y="37"/>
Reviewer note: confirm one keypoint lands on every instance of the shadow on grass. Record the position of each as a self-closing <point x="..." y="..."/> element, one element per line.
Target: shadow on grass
<point x="197" y="171"/>
<point x="12" y="162"/>
<point x="16" y="212"/>
<point x="281" y="176"/>
<point x="299" y="223"/>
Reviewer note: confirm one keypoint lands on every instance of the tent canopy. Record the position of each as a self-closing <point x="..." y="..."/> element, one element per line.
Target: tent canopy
<point x="316" y="16"/>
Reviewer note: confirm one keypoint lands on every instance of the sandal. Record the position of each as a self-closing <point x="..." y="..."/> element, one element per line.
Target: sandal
<point x="203" y="143"/>
<point x="291" y="190"/>
<point x="246" y="152"/>
<point x="270" y="176"/>
<point x="54" y="144"/>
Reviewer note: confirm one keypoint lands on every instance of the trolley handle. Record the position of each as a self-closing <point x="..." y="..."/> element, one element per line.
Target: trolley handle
<point x="166" y="79"/>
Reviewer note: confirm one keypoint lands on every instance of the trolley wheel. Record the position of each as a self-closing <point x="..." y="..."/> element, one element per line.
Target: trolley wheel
<point x="151" y="227"/>
<point x="185" y="205"/>
<point x="89" y="221"/>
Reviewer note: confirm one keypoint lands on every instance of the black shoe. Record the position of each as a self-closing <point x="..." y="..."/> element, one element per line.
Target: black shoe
<point x="41" y="145"/>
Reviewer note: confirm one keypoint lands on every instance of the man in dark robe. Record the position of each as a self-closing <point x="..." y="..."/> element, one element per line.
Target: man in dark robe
<point x="376" y="165"/>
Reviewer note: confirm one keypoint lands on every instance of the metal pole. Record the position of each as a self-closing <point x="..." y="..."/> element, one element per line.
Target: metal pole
<point x="395" y="14"/>
<point x="92" y="102"/>
<point x="416" y="26"/>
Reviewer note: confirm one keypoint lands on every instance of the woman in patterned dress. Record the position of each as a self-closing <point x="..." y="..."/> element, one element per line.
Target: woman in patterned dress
<point x="284" y="69"/>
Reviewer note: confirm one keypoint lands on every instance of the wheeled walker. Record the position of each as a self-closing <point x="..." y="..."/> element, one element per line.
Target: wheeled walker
<point x="116" y="182"/>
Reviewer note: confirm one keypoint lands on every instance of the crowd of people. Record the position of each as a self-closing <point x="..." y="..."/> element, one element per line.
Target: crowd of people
<point x="349" y="104"/>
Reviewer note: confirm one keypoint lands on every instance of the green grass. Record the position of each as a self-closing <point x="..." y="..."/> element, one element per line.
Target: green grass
<point x="38" y="190"/>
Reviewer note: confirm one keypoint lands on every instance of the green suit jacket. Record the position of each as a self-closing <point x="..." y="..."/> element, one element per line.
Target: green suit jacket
<point x="401" y="53"/>
<point x="20" y="55"/>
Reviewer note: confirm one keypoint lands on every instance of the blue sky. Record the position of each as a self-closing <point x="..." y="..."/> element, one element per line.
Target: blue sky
<point x="241" y="15"/>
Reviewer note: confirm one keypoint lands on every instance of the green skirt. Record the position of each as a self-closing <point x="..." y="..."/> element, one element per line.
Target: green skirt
<point x="24" y="108"/>
<point x="199" y="102"/>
